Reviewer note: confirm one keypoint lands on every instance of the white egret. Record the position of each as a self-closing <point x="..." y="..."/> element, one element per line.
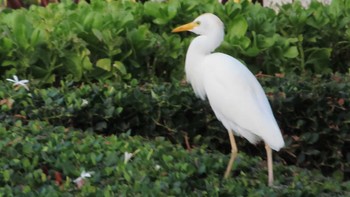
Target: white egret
<point x="234" y="93"/>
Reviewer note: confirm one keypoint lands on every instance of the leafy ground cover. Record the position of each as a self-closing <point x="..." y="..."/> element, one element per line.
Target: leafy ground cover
<point x="50" y="136"/>
<point x="312" y="112"/>
<point x="39" y="159"/>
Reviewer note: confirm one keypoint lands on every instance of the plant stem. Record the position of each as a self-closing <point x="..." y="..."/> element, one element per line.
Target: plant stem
<point x="301" y="52"/>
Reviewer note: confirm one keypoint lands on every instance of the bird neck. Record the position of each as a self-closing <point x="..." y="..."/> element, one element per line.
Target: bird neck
<point x="206" y="44"/>
<point x="199" y="48"/>
<point x="202" y="46"/>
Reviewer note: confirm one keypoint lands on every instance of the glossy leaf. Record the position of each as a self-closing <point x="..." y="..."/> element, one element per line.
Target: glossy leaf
<point x="291" y="52"/>
<point x="105" y="64"/>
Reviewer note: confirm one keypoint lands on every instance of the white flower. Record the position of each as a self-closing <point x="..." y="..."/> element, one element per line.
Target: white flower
<point x="127" y="157"/>
<point x="84" y="102"/>
<point x="16" y="82"/>
<point x="157" y="167"/>
<point x="83" y="175"/>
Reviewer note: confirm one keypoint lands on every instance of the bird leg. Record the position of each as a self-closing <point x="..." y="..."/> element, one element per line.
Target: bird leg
<point x="234" y="151"/>
<point x="269" y="164"/>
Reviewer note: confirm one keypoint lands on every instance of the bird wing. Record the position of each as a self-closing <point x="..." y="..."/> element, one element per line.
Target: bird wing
<point x="239" y="101"/>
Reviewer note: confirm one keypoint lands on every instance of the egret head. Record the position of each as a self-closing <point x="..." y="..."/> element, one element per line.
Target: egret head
<point x="204" y="24"/>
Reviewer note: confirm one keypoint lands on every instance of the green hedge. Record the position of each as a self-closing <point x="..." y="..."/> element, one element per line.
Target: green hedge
<point x="122" y="39"/>
<point x="313" y="113"/>
<point x="38" y="159"/>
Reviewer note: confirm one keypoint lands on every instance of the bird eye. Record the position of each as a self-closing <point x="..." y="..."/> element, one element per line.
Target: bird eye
<point x="198" y="22"/>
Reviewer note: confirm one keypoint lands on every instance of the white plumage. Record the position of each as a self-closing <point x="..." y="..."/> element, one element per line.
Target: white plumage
<point x="235" y="95"/>
<point x="239" y="101"/>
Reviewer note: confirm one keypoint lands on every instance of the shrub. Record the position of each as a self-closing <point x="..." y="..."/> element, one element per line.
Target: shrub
<point x="39" y="159"/>
<point x="123" y="40"/>
<point x="313" y="113"/>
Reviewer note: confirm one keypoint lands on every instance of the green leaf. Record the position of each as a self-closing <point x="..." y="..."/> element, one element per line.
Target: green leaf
<point x="127" y="18"/>
<point x="335" y="8"/>
<point x="160" y="21"/>
<point x="93" y="158"/>
<point x="98" y="21"/>
<point x="8" y="63"/>
<point x="98" y="34"/>
<point x="119" y="110"/>
<point x="265" y="42"/>
<point x="37" y="37"/>
<point x="291" y="52"/>
<point x="172" y="9"/>
<point x="27" y="148"/>
<point x="87" y="65"/>
<point x="338" y="175"/>
<point x="152" y="9"/>
<point x="104" y="63"/>
<point x="6" y="175"/>
<point x="43" y="177"/>
<point x="238" y="27"/>
<point x="319" y="58"/>
<point x="6" y="44"/>
<point x="244" y="42"/>
<point x="26" y="164"/>
<point x="88" y="19"/>
<point x="73" y="64"/>
<point x="126" y="176"/>
<point x="120" y="67"/>
<point x="21" y="30"/>
<point x="252" y="52"/>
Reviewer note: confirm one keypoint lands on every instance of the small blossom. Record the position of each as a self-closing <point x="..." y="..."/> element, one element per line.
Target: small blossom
<point x="80" y="180"/>
<point x="157" y="167"/>
<point x="84" y="102"/>
<point x="127" y="157"/>
<point x="17" y="83"/>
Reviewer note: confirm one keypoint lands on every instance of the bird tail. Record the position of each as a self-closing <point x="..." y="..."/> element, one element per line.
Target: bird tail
<point x="275" y="141"/>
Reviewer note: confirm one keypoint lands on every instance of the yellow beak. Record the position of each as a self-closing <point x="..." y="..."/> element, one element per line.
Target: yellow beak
<point x="185" y="27"/>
